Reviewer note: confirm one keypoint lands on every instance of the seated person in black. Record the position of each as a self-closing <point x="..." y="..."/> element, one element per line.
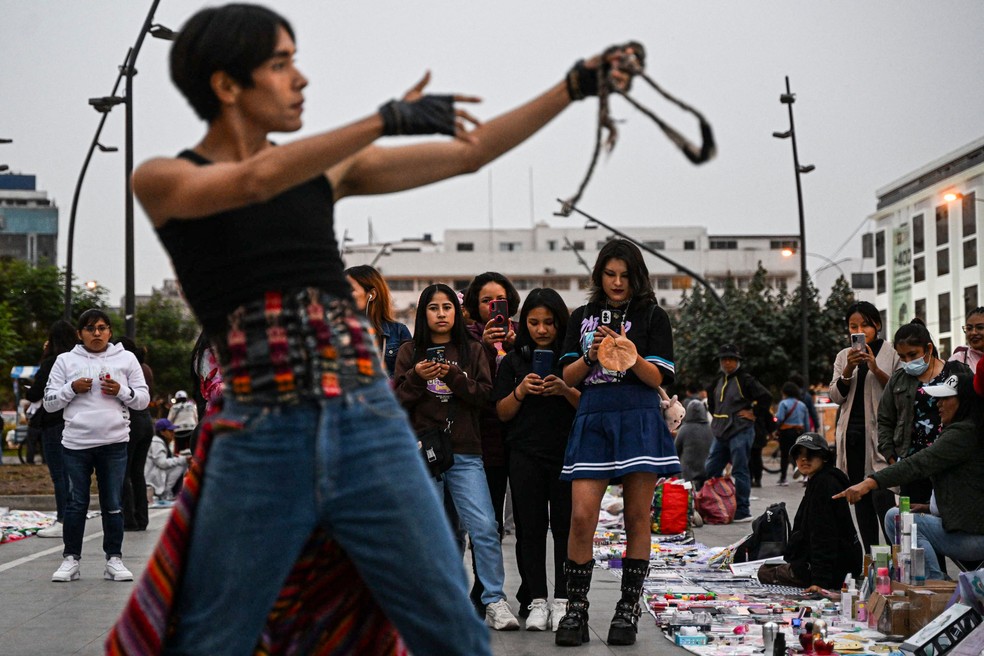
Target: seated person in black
<point x="823" y="547"/>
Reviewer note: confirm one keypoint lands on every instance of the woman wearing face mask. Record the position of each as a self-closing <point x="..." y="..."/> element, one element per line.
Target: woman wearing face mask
<point x="857" y="386"/>
<point x="908" y="418"/>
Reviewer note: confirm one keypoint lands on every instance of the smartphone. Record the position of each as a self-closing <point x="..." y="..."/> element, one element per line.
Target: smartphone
<point x="543" y="362"/>
<point x="611" y="319"/>
<point x="499" y="312"/>
<point x="435" y="354"/>
<point x="858" y="342"/>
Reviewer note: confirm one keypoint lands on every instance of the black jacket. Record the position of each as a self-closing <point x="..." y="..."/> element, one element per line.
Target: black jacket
<point x="824" y="545"/>
<point x="727" y="395"/>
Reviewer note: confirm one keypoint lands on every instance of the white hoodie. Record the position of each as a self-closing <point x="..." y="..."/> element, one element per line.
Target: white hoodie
<point x="93" y="418"/>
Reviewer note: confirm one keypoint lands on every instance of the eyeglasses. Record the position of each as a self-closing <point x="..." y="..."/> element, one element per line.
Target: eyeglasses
<point x="974" y="327"/>
<point x="96" y="329"/>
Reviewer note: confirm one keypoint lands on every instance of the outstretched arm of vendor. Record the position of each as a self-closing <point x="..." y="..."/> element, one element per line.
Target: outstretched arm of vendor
<point x="854" y="493"/>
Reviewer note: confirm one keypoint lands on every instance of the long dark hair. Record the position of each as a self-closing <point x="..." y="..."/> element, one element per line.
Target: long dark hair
<point x="471" y="296"/>
<point x="867" y="311"/>
<point x="625" y="250"/>
<point x="62" y="338"/>
<point x="422" y="333"/>
<point x="551" y="300"/>
<point x="915" y="333"/>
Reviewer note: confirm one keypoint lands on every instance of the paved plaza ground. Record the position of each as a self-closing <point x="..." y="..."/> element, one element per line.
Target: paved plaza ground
<point x="41" y="618"/>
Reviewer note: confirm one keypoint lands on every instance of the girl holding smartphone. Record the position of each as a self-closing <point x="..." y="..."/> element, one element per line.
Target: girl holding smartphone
<point x="619" y="431"/>
<point x="435" y="393"/>
<point x="538" y="408"/>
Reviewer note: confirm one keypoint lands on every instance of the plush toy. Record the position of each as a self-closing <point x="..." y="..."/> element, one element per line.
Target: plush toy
<point x="673" y="412"/>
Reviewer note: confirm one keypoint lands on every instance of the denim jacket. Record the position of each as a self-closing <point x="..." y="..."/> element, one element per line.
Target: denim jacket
<point x="394" y="334"/>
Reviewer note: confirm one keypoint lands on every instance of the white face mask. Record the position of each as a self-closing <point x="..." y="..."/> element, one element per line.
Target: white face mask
<point x="916" y="368"/>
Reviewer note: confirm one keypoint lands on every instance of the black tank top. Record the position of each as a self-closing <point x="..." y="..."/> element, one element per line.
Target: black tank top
<point x="224" y="260"/>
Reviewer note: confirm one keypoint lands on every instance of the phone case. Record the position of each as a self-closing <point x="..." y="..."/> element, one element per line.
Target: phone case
<point x="499" y="312"/>
<point x="542" y="362"/>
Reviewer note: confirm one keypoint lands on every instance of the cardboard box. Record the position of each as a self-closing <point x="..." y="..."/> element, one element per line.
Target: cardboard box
<point x="889" y="614"/>
<point x="942" y="634"/>
<point x="935" y="586"/>
<point x="925" y="605"/>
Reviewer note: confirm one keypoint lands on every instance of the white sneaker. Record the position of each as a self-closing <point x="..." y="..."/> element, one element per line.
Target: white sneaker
<point x="539" y="618"/>
<point x="557" y="611"/>
<point x="499" y="617"/>
<point x="53" y="531"/>
<point x="69" y="570"/>
<point x="116" y="571"/>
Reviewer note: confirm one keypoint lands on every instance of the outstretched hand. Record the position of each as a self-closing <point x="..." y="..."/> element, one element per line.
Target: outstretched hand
<point x="854" y="493"/>
<point x="464" y="121"/>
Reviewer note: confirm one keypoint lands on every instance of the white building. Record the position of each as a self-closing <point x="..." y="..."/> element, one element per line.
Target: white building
<point x="561" y="258"/>
<point x="926" y="245"/>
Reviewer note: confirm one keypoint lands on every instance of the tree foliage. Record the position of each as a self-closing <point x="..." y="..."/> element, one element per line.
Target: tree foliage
<point x="765" y="325"/>
<point x="169" y="335"/>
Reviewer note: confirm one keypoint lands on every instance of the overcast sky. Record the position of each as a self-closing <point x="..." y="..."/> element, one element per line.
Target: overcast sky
<point x="882" y="88"/>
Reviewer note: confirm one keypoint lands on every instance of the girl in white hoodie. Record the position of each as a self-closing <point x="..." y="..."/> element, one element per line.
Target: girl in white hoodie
<point x="96" y="384"/>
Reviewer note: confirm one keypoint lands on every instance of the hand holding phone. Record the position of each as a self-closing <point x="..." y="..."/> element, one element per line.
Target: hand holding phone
<point x="858" y="342"/>
<point x="543" y="362"/>
<point x="499" y="313"/>
<point x="435" y="354"/>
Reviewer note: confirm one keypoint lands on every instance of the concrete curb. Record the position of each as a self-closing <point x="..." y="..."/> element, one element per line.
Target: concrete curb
<point x="43" y="502"/>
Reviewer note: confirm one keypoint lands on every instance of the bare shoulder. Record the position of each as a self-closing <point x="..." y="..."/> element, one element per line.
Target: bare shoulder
<point x="155" y="181"/>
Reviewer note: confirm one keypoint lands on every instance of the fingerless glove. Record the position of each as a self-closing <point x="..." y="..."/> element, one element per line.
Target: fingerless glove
<point x="431" y="114"/>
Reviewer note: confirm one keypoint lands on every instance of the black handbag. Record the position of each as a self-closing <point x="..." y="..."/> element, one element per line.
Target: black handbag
<point x="435" y="446"/>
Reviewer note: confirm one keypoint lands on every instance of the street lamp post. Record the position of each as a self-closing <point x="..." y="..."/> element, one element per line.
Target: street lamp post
<point x="4" y="167"/>
<point x="104" y="105"/>
<point x="788" y="99"/>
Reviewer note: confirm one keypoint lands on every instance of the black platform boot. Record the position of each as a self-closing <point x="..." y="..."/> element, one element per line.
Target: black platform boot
<point x="625" y="623"/>
<point x="573" y="630"/>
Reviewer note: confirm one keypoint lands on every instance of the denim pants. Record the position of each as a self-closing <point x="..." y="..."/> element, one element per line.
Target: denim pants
<point x="933" y="538"/>
<point x="109" y="463"/>
<point x="735" y="451"/>
<point x="349" y="464"/>
<point x="470" y="494"/>
<point x="51" y="443"/>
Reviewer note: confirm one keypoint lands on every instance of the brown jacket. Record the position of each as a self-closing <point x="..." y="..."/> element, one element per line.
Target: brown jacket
<point x="427" y="401"/>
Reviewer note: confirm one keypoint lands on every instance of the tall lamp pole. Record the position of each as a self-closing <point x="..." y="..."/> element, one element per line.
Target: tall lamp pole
<point x="105" y="105"/>
<point x="4" y="167"/>
<point x="788" y="99"/>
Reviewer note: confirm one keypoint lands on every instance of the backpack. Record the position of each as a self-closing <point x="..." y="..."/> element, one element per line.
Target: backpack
<point x="769" y="536"/>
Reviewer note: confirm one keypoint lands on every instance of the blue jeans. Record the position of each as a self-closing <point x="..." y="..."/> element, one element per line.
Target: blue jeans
<point x="51" y="443"/>
<point x="109" y="463"/>
<point x="470" y="494"/>
<point x="934" y="538"/>
<point x="735" y="451"/>
<point x="349" y="464"/>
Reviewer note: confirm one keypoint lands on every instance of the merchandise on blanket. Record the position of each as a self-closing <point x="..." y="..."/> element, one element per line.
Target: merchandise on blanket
<point x="19" y="524"/>
<point x="716" y="501"/>
<point x="944" y="633"/>
<point x="769" y="536"/>
<point x="673" y="507"/>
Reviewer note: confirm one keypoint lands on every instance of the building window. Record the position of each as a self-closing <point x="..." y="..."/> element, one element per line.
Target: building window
<point x="969" y="214"/>
<point x="867" y="245"/>
<point x="460" y="284"/>
<point x="401" y="285"/>
<point x="510" y="246"/>
<point x="970" y="253"/>
<point x="724" y="244"/>
<point x="523" y="284"/>
<point x="780" y="244"/>
<point x="689" y="245"/>
<point x="863" y="280"/>
<point x="944" y="312"/>
<point x="880" y="248"/>
<point x="943" y="261"/>
<point x="880" y="282"/>
<point x="557" y="283"/>
<point x="579" y="245"/>
<point x="662" y="282"/>
<point x="919" y="269"/>
<point x="551" y="244"/>
<point x="944" y="347"/>
<point x="921" y="309"/>
<point x="656" y="245"/>
<point x="918" y="234"/>
<point x="465" y="246"/>
<point x="942" y="225"/>
<point x="584" y="282"/>
<point x="682" y="282"/>
<point x="970" y="300"/>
